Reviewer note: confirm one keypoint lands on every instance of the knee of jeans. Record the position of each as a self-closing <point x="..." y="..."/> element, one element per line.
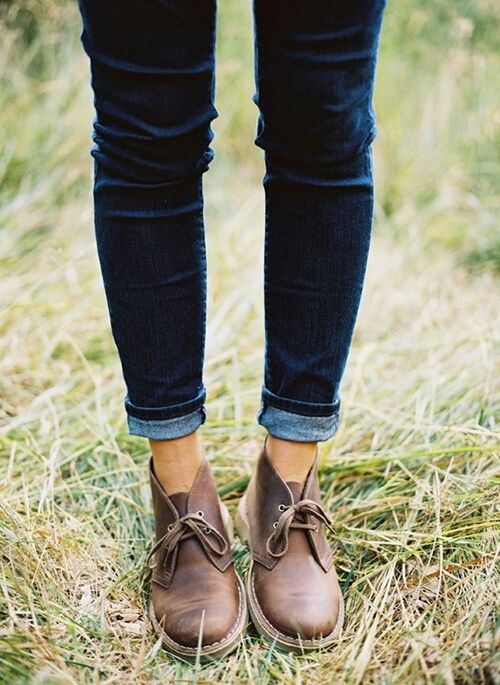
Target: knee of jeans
<point x="323" y="144"/>
<point x="159" y="152"/>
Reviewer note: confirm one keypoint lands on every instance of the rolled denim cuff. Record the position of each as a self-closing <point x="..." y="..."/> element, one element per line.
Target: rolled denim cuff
<point x="300" y="421"/>
<point x="164" y="429"/>
<point x="163" y="423"/>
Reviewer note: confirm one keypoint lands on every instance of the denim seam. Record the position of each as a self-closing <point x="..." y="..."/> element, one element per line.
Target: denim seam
<point x="204" y="276"/>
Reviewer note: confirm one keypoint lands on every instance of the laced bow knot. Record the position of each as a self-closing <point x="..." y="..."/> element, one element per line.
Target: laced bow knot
<point x="187" y="526"/>
<point x="279" y="537"/>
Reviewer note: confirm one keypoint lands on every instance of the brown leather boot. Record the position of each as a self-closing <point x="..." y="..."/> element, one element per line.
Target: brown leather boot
<point x="293" y="591"/>
<point x="197" y="597"/>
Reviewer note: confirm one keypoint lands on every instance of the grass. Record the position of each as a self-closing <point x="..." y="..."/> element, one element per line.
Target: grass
<point x="411" y="477"/>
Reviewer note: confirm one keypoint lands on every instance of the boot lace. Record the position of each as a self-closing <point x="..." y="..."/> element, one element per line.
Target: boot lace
<point x="187" y="526"/>
<point x="277" y="542"/>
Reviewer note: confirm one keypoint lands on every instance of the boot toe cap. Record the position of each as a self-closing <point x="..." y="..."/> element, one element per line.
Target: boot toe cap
<point x="307" y="621"/>
<point x="184" y="620"/>
<point x="309" y="612"/>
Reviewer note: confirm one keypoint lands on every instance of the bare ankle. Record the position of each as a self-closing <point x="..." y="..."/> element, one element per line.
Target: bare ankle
<point x="176" y="462"/>
<point x="291" y="459"/>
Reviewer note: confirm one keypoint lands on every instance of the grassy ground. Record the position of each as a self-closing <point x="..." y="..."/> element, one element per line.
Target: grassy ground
<point x="410" y="478"/>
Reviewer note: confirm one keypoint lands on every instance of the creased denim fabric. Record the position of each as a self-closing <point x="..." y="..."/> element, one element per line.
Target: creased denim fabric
<point x="153" y="78"/>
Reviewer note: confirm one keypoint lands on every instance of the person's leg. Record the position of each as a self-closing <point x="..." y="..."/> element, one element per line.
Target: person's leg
<point x="152" y="66"/>
<point x="315" y="67"/>
<point x="153" y="79"/>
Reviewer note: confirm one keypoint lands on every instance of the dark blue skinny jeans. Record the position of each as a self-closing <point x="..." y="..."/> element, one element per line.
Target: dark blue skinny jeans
<point x="152" y="74"/>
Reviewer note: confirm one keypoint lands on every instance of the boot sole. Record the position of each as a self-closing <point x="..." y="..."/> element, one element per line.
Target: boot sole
<point x="216" y="650"/>
<point x="261" y="623"/>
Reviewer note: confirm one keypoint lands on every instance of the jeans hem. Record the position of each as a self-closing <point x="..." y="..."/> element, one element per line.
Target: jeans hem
<point x="172" y="411"/>
<point x="294" y="420"/>
<point x="165" y="429"/>
<point x="299" y="406"/>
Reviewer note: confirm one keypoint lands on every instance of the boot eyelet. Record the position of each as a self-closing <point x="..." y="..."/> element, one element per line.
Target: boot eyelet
<point x="282" y="507"/>
<point x="170" y="526"/>
<point x="207" y="531"/>
<point x="275" y="524"/>
<point x="201" y="514"/>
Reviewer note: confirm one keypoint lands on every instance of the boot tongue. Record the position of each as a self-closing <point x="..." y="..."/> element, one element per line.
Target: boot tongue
<point x="296" y="489"/>
<point x="179" y="500"/>
<point x="297" y="540"/>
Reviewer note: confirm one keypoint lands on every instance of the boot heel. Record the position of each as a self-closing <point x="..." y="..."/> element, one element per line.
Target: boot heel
<point x="241" y="522"/>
